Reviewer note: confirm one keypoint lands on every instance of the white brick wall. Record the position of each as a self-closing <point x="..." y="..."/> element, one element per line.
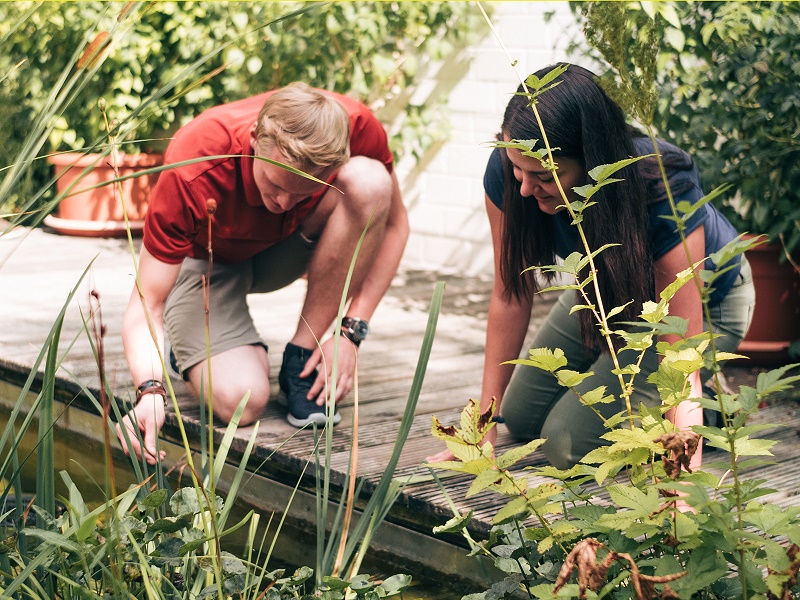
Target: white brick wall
<point x="444" y="191"/>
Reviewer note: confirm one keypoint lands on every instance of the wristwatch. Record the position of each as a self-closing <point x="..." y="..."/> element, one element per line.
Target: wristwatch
<point x="355" y="329"/>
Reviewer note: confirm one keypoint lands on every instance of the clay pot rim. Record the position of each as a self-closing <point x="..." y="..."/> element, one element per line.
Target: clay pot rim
<point x="78" y="159"/>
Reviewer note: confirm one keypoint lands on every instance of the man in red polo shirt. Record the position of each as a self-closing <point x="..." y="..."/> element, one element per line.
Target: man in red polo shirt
<point x="269" y="226"/>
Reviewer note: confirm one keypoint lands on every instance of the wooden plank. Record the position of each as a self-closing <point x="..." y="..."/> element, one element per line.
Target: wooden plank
<point x="37" y="272"/>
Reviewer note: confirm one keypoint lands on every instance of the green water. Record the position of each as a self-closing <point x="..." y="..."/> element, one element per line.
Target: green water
<point x="84" y="459"/>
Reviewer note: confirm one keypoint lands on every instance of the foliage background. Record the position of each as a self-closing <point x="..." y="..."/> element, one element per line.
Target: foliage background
<point x="727" y="77"/>
<point x="369" y="50"/>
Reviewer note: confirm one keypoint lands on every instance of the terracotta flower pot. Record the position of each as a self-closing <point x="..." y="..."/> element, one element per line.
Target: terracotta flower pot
<point x="99" y="211"/>
<point x="776" y="319"/>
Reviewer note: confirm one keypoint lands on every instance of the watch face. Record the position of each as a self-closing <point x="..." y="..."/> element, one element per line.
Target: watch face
<point x="360" y="329"/>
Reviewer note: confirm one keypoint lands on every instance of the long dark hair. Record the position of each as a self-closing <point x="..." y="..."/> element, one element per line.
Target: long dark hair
<point x="584" y="124"/>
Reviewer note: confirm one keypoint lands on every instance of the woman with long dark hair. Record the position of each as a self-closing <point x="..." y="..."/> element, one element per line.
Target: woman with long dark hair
<point x="531" y="227"/>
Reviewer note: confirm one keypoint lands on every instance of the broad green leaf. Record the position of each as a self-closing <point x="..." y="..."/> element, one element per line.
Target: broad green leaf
<point x="87" y="527"/>
<point x="641" y="502"/>
<point x="395" y="584"/>
<point x="535" y="82"/>
<point x="750" y="447"/>
<point x="653" y="312"/>
<point x="769" y="518"/>
<point x="616" y="310"/>
<point x="630" y="439"/>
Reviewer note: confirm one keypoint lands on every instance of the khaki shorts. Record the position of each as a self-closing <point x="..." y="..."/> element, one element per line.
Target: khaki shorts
<point x="230" y="323"/>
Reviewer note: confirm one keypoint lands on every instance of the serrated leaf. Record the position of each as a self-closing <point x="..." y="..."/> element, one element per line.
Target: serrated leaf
<point x="484" y="480"/>
<point x="641" y="502"/>
<point x="517" y="453"/>
<point x="602" y="172"/>
<point x="596" y="396"/>
<point x="569" y="378"/>
<point x="516" y="506"/>
<point x="455" y="524"/>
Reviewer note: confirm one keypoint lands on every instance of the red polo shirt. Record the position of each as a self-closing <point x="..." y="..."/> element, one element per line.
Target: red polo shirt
<point x="176" y="225"/>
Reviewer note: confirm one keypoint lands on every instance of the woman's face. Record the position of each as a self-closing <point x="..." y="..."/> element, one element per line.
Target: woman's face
<point x="538" y="183"/>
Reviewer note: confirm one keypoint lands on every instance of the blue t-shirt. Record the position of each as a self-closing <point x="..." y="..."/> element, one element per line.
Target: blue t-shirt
<point x="662" y="233"/>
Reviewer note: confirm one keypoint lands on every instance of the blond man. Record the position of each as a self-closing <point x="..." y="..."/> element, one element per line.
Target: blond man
<point x="269" y="227"/>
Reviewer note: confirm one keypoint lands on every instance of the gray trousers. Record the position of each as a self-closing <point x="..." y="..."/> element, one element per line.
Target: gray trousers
<point x="536" y="406"/>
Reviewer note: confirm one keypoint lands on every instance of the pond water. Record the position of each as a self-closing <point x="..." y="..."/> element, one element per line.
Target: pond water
<point x="84" y="459"/>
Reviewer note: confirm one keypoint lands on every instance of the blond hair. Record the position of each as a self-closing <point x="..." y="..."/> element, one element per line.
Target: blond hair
<point x="311" y="129"/>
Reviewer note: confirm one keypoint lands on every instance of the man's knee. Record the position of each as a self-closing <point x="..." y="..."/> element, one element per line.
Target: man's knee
<point x="366" y="185"/>
<point x="227" y="399"/>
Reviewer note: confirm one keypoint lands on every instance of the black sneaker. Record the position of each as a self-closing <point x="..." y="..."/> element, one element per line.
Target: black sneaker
<point x="302" y="411"/>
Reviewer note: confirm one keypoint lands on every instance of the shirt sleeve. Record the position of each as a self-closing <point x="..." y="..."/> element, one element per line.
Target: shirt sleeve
<point x="368" y="138"/>
<point x="172" y="219"/>
<point x="493" y="178"/>
<point x="664" y="234"/>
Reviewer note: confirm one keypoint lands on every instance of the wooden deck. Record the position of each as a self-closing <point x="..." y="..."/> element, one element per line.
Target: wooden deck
<point x="38" y="269"/>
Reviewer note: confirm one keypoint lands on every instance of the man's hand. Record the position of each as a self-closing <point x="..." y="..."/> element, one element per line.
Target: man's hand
<point x="148" y="415"/>
<point x="345" y="374"/>
<point x="447" y="456"/>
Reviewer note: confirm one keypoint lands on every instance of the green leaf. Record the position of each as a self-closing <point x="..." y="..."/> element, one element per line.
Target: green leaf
<point x="515" y="507"/>
<point x="537" y="83"/>
<point x="543" y="358"/>
<point x="675" y="38"/>
<point x="569" y="378"/>
<point x="596" y="396"/>
<point x="87" y="527"/>
<point x="506" y="460"/>
<point x="753" y="447"/>
<point x="641" y="502"/>
<point x="602" y="172"/>
<point x="484" y="479"/>
<point x="395" y="584"/>
<point x="455" y="524"/>
<point x="155" y="499"/>
<point x="680" y="280"/>
<point x="769" y="518"/>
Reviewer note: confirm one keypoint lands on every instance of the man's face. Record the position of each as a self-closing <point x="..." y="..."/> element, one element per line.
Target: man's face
<point x="280" y="189"/>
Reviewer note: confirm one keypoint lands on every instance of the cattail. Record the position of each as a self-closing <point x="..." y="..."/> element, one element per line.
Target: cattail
<point x="126" y="9"/>
<point x="92" y="53"/>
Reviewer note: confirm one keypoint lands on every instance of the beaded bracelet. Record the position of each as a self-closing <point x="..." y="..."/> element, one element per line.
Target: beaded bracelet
<point x="152" y="386"/>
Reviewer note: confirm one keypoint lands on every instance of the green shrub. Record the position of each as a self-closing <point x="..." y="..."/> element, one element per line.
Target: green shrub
<point x="727" y="77"/>
<point x="370" y="50"/>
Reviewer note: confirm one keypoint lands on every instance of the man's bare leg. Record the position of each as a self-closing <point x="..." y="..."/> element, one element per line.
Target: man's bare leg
<point x="338" y="223"/>
<point x="235" y="372"/>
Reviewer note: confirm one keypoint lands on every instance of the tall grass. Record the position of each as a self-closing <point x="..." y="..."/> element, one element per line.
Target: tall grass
<point x="147" y="541"/>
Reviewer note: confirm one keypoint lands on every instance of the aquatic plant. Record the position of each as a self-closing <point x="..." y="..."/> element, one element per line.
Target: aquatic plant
<point x="149" y="541"/>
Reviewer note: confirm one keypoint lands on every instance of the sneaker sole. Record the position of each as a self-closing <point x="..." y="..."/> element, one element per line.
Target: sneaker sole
<point x="318" y="418"/>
